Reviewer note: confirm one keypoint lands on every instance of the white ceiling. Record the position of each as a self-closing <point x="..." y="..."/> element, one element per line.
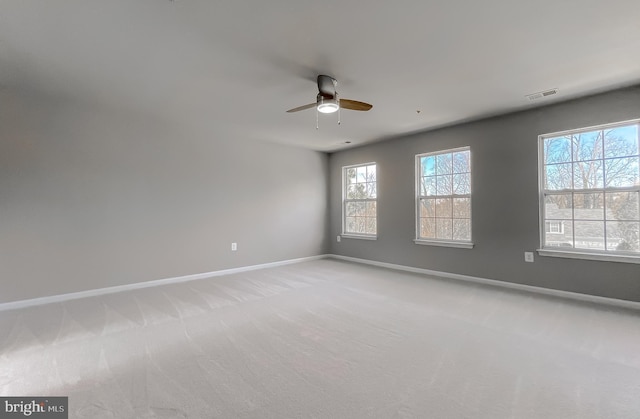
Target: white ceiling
<point x="233" y="67"/>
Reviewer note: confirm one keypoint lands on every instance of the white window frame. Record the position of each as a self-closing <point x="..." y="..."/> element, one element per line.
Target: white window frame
<point x="464" y="244"/>
<point x="580" y="253"/>
<point x="345" y="200"/>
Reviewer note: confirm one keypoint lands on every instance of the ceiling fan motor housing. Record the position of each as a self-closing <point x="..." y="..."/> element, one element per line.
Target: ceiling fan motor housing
<point x="327" y="85"/>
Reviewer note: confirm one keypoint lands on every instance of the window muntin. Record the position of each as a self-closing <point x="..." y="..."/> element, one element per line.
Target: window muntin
<point x="591" y="186"/>
<point x="359" y="200"/>
<point x="443" y="196"/>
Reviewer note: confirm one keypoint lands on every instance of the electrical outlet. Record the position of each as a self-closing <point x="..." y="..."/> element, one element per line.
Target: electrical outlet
<point x="234" y="246"/>
<point x="338" y="239"/>
<point x="528" y="256"/>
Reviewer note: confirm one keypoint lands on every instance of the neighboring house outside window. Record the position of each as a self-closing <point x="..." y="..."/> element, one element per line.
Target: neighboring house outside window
<point x="590" y="193"/>
<point x="443" y="198"/>
<point x="359" y="201"/>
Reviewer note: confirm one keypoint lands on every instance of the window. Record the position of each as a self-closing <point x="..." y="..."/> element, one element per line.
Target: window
<point x="556" y="227"/>
<point x="443" y="198"/>
<point x="590" y="192"/>
<point x="359" y="194"/>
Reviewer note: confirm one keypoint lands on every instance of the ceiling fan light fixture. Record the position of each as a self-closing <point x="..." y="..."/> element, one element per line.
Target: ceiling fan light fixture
<point x="328" y="105"/>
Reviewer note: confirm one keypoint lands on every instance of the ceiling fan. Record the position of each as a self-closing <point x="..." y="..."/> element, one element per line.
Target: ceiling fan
<point x="328" y="101"/>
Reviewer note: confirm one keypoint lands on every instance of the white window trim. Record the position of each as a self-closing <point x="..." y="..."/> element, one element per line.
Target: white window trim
<point x="575" y="253"/>
<point x="350" y="235"/>
<point x="359" y="236"/>
<point x="444" y="243"/>
<point x="416" y="178"/>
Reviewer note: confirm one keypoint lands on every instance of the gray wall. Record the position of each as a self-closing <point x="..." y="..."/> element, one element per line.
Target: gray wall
<point x="92" y="197"/>
<point x="504" y="200"/>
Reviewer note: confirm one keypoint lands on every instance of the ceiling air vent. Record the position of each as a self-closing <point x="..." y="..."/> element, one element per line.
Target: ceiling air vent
<point x="539" y="95"/>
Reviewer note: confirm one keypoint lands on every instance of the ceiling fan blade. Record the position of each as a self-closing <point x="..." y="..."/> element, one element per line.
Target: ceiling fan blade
<point x="354" y="105"/>
<point x="302" y="108"/>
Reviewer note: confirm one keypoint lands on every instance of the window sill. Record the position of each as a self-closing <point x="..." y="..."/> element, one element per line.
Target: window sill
<point x="589" y="256"/>
<point x="357" y="236"/>
<point x="461" y="245"/>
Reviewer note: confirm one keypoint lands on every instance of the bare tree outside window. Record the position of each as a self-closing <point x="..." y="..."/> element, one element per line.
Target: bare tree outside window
<point x="592" y="186"/>
<point x="360" y="200"/>
<point x="444" y="196"/>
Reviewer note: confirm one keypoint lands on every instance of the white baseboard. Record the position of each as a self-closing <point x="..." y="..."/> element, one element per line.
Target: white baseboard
<point x="120" y="288"/>
<point x="520" y="287"/>
<point x="147" y="284"/>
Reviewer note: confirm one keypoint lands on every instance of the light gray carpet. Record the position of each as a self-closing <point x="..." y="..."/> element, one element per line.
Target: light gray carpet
<point x="325" y="339"/>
